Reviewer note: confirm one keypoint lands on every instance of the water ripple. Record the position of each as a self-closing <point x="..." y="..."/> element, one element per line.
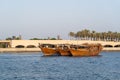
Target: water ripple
<point x="37" y="67"/>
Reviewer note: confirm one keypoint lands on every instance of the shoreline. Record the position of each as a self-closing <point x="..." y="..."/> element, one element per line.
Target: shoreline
<point x="4" y="50"/>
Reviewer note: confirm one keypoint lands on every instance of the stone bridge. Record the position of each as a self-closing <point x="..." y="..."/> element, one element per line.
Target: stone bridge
<point x="35" y="43"/>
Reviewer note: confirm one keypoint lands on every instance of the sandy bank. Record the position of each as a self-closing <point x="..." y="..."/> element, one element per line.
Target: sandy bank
<point x="20" y="50"/>
<point x="38" y="49"/>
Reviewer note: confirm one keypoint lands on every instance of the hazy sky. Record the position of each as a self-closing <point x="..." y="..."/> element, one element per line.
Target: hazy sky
<point x="49" y="18"/>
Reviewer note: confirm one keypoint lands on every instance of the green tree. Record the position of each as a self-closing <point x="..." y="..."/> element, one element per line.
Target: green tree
<point x="35" y="39"/>
<point x="9" y="38"/>
<point x="53" y="39"/>
<point x="72" y="34"/>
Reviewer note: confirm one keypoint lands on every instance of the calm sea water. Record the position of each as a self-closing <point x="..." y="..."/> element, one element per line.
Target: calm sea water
<point x="33" y="66"/>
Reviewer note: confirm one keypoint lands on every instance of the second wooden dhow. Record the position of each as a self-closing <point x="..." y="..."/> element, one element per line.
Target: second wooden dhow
<point x="86" y="50"/>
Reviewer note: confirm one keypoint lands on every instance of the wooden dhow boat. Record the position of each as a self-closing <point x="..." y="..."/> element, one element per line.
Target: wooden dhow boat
<point x="71" y="50"/>
<point x="86" y="50"/>
<point x="64" y="50"/>
<point x="49" y="49"/>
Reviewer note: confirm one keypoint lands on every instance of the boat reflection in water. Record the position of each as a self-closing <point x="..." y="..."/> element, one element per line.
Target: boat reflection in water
<point x="71" y="50"/>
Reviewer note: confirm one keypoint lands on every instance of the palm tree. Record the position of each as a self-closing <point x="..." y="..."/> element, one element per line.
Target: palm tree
<point x="79" y="35"/>
<point x="93" y="35"/>
<point x="85" y="33"/>
<point x="109" y="35"/>
<point x="118" y="37"/>
<point x="114" y="36"/>
<point x="104" y="36"/>
<point x="97" y="36"/>
<point x="72" y="34"/>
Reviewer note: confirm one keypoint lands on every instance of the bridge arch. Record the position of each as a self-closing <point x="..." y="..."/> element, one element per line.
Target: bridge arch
<point x="20" y="46"/>
<point x="108" y="45"/>
<point x="118" y="45"/>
